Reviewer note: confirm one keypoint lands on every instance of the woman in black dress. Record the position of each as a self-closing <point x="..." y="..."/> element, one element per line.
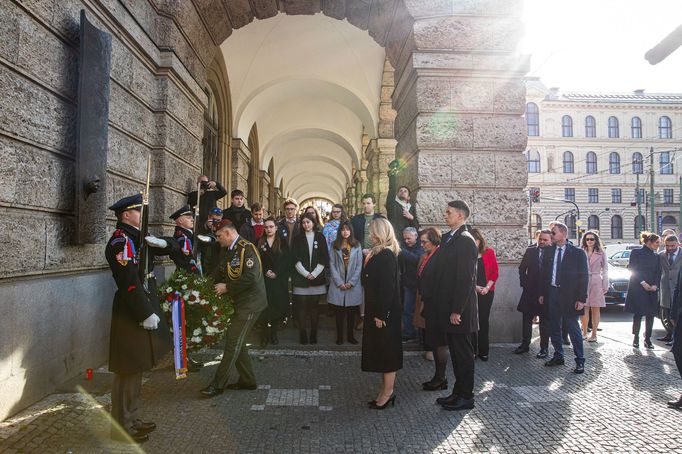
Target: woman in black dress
<point x="274" y="258"/>
<point x="382" y="348"/>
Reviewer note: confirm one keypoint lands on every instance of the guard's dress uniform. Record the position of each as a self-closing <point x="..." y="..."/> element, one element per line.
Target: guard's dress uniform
<point x="241" y="270"/>
<point x="132" y="349"/>
<point x="184" y="258"/>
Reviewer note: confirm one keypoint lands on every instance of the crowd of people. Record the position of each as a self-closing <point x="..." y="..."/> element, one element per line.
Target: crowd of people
<point x="384" y="276"/>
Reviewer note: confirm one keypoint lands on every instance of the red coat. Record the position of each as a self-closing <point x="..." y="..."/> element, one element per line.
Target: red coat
<point x="490" y="265"/>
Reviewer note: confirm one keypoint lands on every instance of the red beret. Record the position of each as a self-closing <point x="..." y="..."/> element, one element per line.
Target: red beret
<point x="224" y="223"/>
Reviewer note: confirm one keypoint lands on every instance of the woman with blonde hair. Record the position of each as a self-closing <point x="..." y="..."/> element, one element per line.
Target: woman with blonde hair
<point x="382" y="349"/>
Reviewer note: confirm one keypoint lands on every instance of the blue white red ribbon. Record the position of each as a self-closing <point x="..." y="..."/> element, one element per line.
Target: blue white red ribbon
<point x="179" y="339"/>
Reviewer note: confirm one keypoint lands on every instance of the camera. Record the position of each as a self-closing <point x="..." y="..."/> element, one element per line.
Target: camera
<point x="204" y="185"/>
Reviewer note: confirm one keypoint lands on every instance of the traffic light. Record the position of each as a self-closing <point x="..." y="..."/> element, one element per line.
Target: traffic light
<point x="535" y="195"/>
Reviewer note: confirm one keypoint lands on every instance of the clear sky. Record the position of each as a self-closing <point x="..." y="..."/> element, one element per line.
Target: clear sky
<point x="599" y="45"/>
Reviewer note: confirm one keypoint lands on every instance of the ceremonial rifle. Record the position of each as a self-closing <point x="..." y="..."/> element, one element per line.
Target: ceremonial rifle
<point x="195" y="240"/>
<point x="143" y="251"/>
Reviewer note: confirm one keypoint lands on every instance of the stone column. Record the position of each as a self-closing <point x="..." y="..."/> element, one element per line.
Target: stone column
<point x="380" y="152"/>
<point x="460" y="98"/>
<point x="264" y="181"/>
<point x="241" y="160"/>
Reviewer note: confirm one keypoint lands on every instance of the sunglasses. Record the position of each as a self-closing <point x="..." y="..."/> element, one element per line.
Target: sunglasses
<point x="590" y="239"/>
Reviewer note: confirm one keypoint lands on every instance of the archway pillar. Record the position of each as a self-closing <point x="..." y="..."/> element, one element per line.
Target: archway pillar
<point x="264" y="189"/>
<point x="459" y="99"/>
<point x="241" y="161"/>
<point x="380" y="152"/>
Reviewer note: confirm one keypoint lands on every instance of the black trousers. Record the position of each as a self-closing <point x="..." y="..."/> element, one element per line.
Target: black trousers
<point x="481" y="341"/>
<point x="307" y="306"/>
<point x="527" y="330"/>
<point x="677" y="344"/>
<point x="125" y="399"/>
<point x="348" y="313"/>
<point x="648" y="325"/>
<point x="462" y="356"/>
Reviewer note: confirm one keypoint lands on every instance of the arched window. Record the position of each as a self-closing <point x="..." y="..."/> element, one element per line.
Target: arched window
<point x="533" y="119"/>
<point x="211" y="139"/>
<point x="637" y="163"/>
<point x="590" y="126"/>
<point x="568" y="162"/>
<point x="665" y="164"/>
<point x="533" y="159"/>
<point x="569" y="220"/>
<point x="613" y="128"/>
<point x="665" y="128"/>
<point x="614" y="162"/>
<point x="669" y="220"/>
<point x="591" y="162"/>
<point x="636" y="128"/>
<point x="566" y="126"/>
<point x="640" y="225"/>
<point x="616" y="227"/>
<point x="593" y="222"/>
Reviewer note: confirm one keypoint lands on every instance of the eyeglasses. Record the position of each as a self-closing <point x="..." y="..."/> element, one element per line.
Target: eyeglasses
<point x="590" y="239"/>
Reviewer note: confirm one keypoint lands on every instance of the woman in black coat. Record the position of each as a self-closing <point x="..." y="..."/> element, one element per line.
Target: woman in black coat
<point x="642" y="296"/>
<point x="382" y="348"/>
<point x="310" y="257"/>
<point x="273" y="253"/>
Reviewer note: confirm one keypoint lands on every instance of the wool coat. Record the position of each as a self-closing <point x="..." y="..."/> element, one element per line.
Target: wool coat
<point x="340" y="274"/>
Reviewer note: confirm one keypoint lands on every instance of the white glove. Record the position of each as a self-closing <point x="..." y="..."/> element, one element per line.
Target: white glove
<point x="205" y="238"/>
<point x="156" y="242"/>
<point x="151" y="322"/>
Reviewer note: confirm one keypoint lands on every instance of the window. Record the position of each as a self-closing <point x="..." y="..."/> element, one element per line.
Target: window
<point x="616" y="227"/>
<point x="642" y="196"/>
<point x="591" y="162"/>
<point x="637" y="163"/>
<point x="533" y="119"/>
<point x="569" y="194"/>
<point x="640" y="225"/>
<point x="569" y="220"/>
<point x="568" y="162"/>
<point x="614" y="163"/>
<point x="665" y="164"/>
<point x="566" y="126"/>
<point x="593" y="222"/>
<point x="665" y="128"/>
<point x="669" y="220"/>
<point x="636" y="128"/>
<point x="590" y="126"/>
<point x="613" y="128"/>
<point x="592" y="195"/>
<point x="533" y="159"/>
<point x="616" y="196"/>
<point x="668" y="196"/>
<point x="536" y="224"/>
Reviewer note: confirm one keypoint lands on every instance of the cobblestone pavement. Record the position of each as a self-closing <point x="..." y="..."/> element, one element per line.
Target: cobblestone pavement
<point x="315" y="401"/>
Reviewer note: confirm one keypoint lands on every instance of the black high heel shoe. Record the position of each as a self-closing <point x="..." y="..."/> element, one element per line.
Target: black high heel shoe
<point x="391" y="401"/>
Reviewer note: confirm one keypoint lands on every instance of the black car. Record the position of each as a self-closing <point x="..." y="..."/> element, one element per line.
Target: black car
<point x="619" y="277"/>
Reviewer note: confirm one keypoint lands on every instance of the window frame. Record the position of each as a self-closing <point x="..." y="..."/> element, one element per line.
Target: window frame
<point x="617" y="234"/>
<point x="591" y="166"/>
<point x="614" y="127"/>
<point x="533" y="115"/>
<point x="570" y="163"/>
<point x="667" y="128"/>
<point x="566" y="126"/>
<point x="590" y="127"/>
<point x="636" y="129"/>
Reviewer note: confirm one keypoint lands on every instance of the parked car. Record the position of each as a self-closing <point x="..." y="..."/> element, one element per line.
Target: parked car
<point x="620" y="258"/>
<point x="619" y="277"/>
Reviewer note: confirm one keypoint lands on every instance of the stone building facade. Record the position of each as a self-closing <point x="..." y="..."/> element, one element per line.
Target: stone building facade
<point x="446" y="95"/>
<point x="592" y="148"/>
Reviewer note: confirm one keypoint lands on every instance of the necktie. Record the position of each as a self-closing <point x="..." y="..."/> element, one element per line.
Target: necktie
<point x="671" y="259"/>
<point x="558" y="268"/>
<point x="540" y="258"/>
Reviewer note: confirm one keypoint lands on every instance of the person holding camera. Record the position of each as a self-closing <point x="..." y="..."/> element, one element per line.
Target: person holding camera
<point x="210" y="192"/>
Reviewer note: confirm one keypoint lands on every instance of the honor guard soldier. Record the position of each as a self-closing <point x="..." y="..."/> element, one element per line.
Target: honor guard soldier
<point x="137" y="339"/>
<point x="184" y="235"/>
<point x="239" y="275"/>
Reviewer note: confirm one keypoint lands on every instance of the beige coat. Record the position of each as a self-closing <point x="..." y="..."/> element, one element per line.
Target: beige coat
<point x="599" y="279"/>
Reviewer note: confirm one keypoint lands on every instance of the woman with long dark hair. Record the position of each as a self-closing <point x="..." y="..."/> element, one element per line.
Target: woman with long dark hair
<point x="598" y="283"/>
<point x="310" y="257"/>
<point x="488" y="272"/>
<point x="345" y="290"/>
<point x="273" y="253"/>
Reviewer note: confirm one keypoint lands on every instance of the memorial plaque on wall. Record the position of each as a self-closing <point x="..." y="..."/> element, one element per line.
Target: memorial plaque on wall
<point x="94" y="65"/>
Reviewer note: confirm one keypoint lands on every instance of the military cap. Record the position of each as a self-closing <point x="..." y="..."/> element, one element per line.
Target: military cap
<point x="181" y="212"/>
<point x="133" y="202"/>
<point x="224" y="223"/>
<point x="216" y="210"/>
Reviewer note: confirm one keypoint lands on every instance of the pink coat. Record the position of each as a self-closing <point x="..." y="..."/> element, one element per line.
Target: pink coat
<point x="599" y="279"/>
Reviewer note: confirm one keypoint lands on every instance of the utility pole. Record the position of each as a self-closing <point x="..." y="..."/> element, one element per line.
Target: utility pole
<point x="652" y="196"/>
<point x="639" y="207"/>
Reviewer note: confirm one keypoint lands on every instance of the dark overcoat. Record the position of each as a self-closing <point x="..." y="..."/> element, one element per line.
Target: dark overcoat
<point x="133" y="349"/>
<point x="530" y="278"/>
<point x="456" y="263"/>
<point x="573" y="278"/>
<point x="382" y="348"/>
<point x="301" y="253"/>
<point x="644" y="265"/>
<point x="183" y="254"/>
<point x="277" y="289"/>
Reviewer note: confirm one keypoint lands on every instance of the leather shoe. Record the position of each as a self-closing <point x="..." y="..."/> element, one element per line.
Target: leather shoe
<point x="648" y="344"/>
<point x="579" y="367"/>
<point x="542" y="354"/>
<point x="555" y="361"/>
<point x="211" y="391"/>
<point x="635" y="342"/>
<point x="567" y="342"/>
<point x="435" y="385"/>
<point x="238" y="386"/>
<point x="664" y="339"/>
<point x="134" y="435"/>
<point x="521" y="349"/>
<point x="447" y="400"/>
<point x="675" y="403"/>
<point x="669" y="344"/>
<point x="143" y="426"/>
<point x="460" y="404"/>
<point x="483" y="357"/>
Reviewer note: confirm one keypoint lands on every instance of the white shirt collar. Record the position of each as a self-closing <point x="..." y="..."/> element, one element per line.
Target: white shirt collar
<point x="234" y="242"/>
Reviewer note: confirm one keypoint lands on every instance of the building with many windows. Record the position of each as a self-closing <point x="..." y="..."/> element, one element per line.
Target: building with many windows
<point x="588" y="152"/>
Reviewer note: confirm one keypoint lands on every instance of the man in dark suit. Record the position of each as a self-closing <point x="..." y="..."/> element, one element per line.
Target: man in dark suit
<point x="565" y="276"/>
<point x="531" y="279"/>
<point x="211" y="192"/>
<point x="671" y="263"/>
<point x="456" y="303"/>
